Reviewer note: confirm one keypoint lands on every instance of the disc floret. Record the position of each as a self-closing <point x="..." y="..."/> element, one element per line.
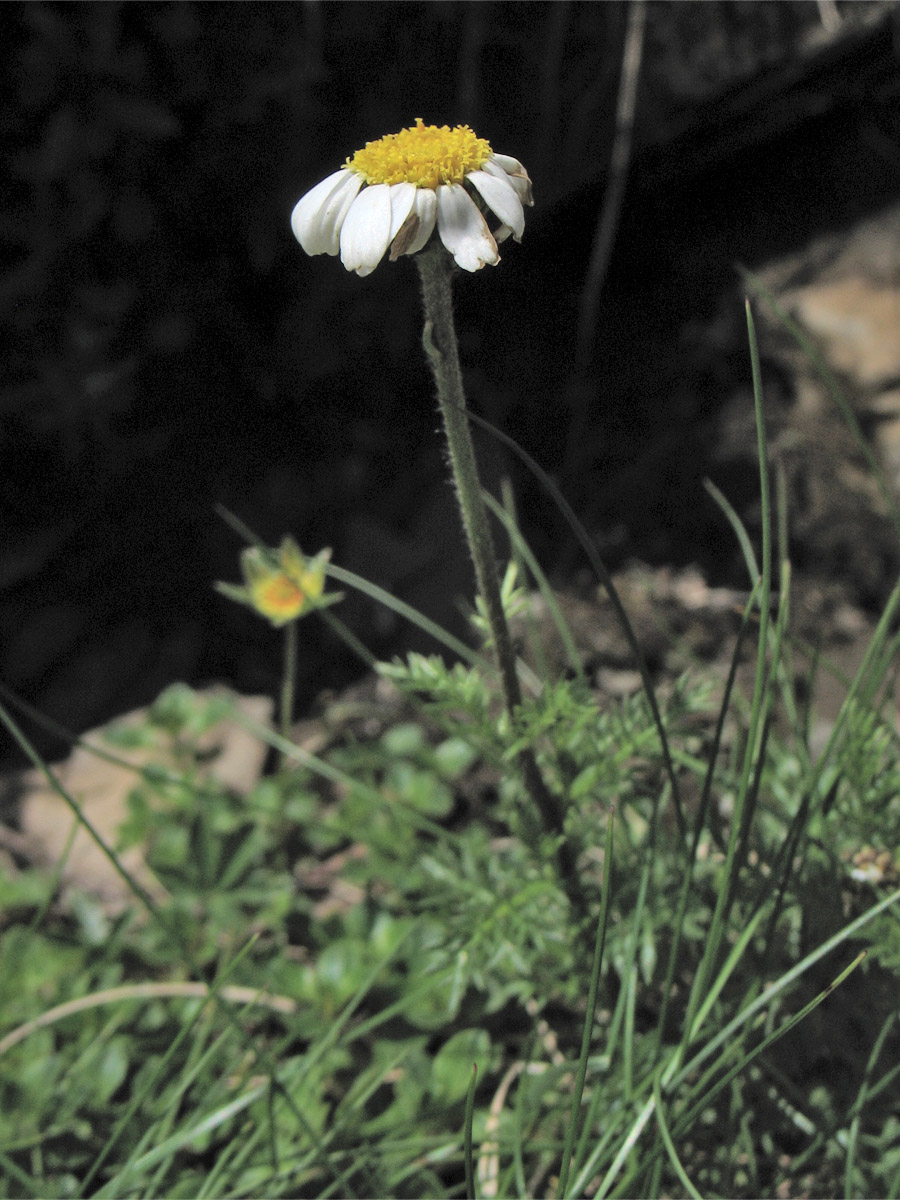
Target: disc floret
<point x="423" y="155"/>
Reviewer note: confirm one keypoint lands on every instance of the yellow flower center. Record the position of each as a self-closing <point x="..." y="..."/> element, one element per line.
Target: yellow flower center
<point x="424" y="155"/>
<point x="279" y="597"/>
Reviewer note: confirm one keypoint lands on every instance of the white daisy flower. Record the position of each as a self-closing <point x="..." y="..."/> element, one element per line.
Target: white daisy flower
<point x="395" y="191"/>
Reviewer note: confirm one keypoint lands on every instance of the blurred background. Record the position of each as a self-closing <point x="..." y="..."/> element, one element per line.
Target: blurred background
<point x="167" y="346"/>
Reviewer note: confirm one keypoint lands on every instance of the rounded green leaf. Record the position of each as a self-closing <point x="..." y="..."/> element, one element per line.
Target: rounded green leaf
<point x="452" y="1069"/>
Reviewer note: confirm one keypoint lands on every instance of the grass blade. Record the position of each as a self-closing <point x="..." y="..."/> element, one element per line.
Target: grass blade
<point x="467" y="1134"/>
<point x="685" y="1122"/>
<point x="762" y="696"/>
<point x="581" y="1073"/>
<point x="836" y="392"/>
<point x="853" y="1135"/>
<point x="669" y="1144"/>
<point x="599" y="568"/>
<point x="524" y="551"/>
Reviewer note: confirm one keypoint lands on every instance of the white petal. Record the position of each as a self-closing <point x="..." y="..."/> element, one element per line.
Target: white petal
<point x="511" y="166"/>
<point x="426" y="211"/>
<point x="513" y="171"/>
<point x="367" y="229"/>
<point x="402" y="197"/>
<point x="318" y="216"/>
<point x="520" y="183"/>
<point x="418" y="226"/>
<point x="500" y="197"/>
<point x="463" y="229"/>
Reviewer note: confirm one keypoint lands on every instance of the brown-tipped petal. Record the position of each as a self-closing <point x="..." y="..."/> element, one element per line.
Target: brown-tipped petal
<point x="463" y="229"/>
<point x="406" y="234"/>
<point x="500" y="197"/>
<point x="403" y="197"/>
<point x="518" y="178"/>
<point x="424" y="215"/>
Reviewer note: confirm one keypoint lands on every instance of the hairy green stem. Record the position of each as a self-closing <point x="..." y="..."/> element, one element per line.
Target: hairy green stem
<point x="439" y="340"/>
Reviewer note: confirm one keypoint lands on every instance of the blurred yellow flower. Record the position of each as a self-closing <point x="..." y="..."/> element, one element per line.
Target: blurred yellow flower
<point x="281" y="585"/>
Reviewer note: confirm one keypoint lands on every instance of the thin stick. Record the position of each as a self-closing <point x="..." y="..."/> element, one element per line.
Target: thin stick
<point x="145" y="991"/>
<point x="577" y="388"/>
<point x="608" y="222"/>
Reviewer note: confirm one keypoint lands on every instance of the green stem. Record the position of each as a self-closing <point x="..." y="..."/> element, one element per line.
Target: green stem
<point x="286" y="714"/>
<point x="439" y="340"/>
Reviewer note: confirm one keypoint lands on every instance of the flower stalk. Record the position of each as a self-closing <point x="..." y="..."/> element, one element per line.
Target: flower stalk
<point x="282" y="585"/>
<point x="288" y="682"/>
<point x="439" y="340"/>
<point x="441" y="348"/>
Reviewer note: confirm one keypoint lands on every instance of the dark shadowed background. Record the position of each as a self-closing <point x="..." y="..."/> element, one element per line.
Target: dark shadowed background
<point x="167" y="345"/>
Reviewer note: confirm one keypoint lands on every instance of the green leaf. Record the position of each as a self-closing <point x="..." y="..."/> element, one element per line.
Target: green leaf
<point x="110" y="1069"/>
<point x="452" y="1070"/>
<point x="404" y="741"/>
<point x="421" y="789"/>
<point x="454" y="756"/>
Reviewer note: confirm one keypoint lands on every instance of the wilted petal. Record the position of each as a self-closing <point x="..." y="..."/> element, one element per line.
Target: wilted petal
<point x="426" y="211"/>
<point x="463" y="229"/>
<point x="402" y="197"/>
<point x="510" y="165"/>
<point x="367" y="229"/>
<point x="318" y="216"/>
<point x="500" y="197"/>
<point x="418" y="226"/>
<point x="514" y="173"/>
